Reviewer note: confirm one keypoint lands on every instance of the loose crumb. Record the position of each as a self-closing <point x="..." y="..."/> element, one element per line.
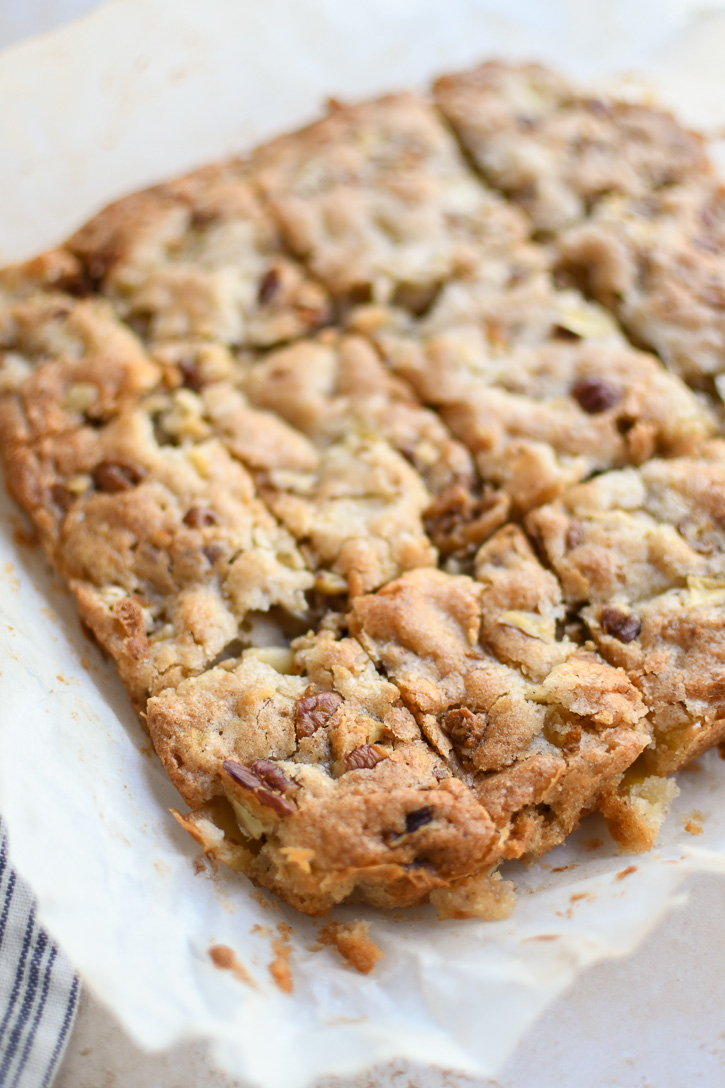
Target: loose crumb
<point x="626" y="872"/>
<point x="354" y="943"/>
<point x="223" y="957"/>
<point x="279" y="968"/>
<point x="693" y="823"/>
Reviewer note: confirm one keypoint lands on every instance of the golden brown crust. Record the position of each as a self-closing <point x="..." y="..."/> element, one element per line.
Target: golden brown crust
<point x="316" y="826"/>
<point x="164" y="542"/>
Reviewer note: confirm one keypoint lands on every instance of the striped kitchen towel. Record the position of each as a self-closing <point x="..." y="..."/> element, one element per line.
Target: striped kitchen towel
<point x="38" y="989"/>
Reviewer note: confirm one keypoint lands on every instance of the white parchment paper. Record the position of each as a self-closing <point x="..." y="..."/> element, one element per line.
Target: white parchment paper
<point x="141" y="90"/>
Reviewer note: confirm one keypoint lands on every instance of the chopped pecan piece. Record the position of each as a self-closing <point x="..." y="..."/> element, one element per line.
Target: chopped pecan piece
<point x="60" y="496"/>
<point x="365" y="757"/>
<point x="464" y="729"/>
<point x="241" y="774"/>
<point x="624" y="626"/>
<point x="269" y="286"/>
<point x="213" y="551"/>
<point x="268" y="777"/>
<point x="280" y="804"/>
<point x="199" y="517"/>
<point x="314" y="711"/>
<point x="596" y="395"/>
<point x="117" y="475"/>
<point x="272" y="776"/>
<point x="190" y="375"/>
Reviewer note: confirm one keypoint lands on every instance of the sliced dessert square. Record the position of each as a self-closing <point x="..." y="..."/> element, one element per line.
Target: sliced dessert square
<point x="378" y="202"/>
<point x="640" y="554"/>
<point x="659" y="263"/>
<point x="538" y="384"/>
<point x="557" y="149"/>
<point x="200" y="257"/>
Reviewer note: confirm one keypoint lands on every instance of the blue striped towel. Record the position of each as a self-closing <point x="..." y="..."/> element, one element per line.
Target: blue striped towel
<point x="38" y="989"/>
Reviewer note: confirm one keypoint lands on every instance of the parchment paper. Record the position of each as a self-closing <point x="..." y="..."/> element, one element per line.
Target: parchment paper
<point x="138" y="91"/>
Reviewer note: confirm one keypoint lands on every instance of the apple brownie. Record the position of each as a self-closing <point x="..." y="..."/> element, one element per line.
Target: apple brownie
<point x="557" y="149"/>
<point x="658" y="262"/>
<point x="640" y="553"/>
<point x="408" y="556"/>
<point x="538" y="384"/>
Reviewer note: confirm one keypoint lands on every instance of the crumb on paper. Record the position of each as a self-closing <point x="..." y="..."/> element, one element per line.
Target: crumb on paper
<point x="12" y="577"/>
<point x="563" y="868"/>
<point x="592" y="844"/>
<point x="693" y="823"/>
<point x="626" y="872"/>
<point x="223" y="957"/>
<point x="264" y="902"/>
<point x="354" y="943"/>
<point x="147" y="749"/>
<point x="579" y="895"/>
<point x="279" y="967"/>
<point x="544" y="937"/>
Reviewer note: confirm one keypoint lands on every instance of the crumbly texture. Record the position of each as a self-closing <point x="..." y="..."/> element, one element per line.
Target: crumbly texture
<point x="538" y="384"/>
<point x="408" y="558"/>
<point x="407" y="758"/>
<point x="659" y="263"/>
<point x="165" y="544"/>
<point x="354" y="943"/>
<point x="640" y="554"/>
<point x="557" y="149"/>
<point x="379" y="203"/>
<point x="200" y="257"/>
<point x="336" y="384"/>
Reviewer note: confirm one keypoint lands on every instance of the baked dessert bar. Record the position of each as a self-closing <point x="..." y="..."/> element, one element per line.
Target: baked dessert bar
<point x="408" y="558"/>
<point x="538" y="383"/>
<point x="378" y="202"/>
<point x="200" y="257"/>
<point x="160" y="534"/>
<point x="409" y="757"/>
<point x="557" y="149"/>
<point x="640" y="553"/>
<point x="659" y="263"/>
